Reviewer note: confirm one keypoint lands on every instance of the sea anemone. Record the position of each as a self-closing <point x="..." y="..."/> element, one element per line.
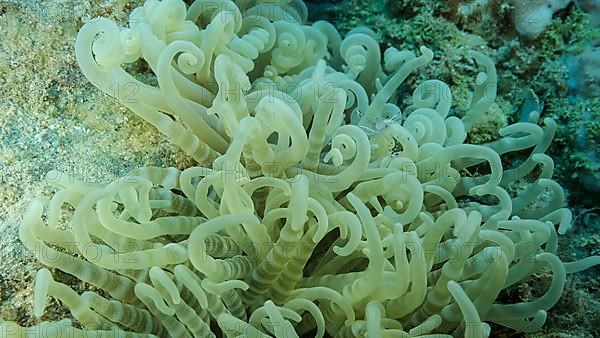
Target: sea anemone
<point x="317" y="206"/>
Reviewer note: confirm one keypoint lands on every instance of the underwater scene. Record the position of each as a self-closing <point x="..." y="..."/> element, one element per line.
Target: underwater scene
<point x="289" y="168"/>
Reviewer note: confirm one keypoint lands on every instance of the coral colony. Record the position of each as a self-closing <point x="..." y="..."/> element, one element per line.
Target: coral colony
<point x="320" y="204"/>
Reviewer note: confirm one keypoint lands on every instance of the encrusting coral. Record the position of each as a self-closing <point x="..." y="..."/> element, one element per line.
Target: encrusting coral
<point x="318" y="206"/>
